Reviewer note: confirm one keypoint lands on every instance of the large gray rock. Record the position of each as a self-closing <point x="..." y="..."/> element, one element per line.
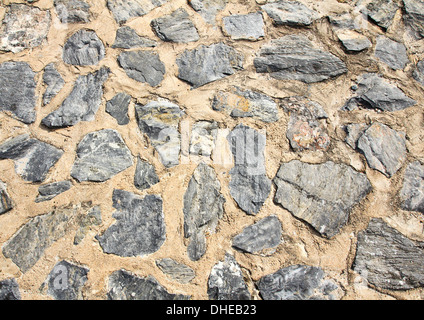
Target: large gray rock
<point x="92" y="218"/>
<point x="391" y="52"/>
<point x="176" y="271"/>
<point x="82" y="103"/>
<point x="83" y="48"/>
<point x="6" y="203"/>
<point x="9" y="290"/>
<point x="291" y="13"/>
<point x="388" y="259"/>
<point x="127" y="38"/>
<point x="124" y="10"/>
<point x="33" y="158"/>
<point x="72" y="11"/>
<point x="117" y="107"/>
<point x="101" y="155"/>
<point x="412" y="193"/>
<point x="414" y="17"/>
<point x="145" y="175"/>
<point x="49" y="191"/>
<point x="299" y="282"/>
<point x="206" y="64"/>
<point x="293" y="57"/>
<point x="321" y="194"/>
<point x="381" y="12"/>
<point x="54" y="82"/>
<point x="245" y="26"/>
<point x="418" y="73"/>
<point x="140" y="227"/>
<point x="208" y="9"/>
<point x="17" y="91"/>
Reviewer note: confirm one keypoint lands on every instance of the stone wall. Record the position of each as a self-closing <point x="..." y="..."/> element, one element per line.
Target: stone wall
<point x="211" y="149"/>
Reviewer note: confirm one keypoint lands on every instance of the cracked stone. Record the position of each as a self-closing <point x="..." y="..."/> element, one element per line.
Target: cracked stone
<point x="145" y="175"/>
<point x="72" y="11"/>
<point x="9" y="290"/>
<point x="176" y="271"/>
<point x="208" y="9"/>
<point x="124" y="10"/>
<point x="412" y="193"/>
<point x="291" y="13"/>
<point x="83" y="48"/>
<point x="49" y="191"/>
<point x="6" y="203"/>
<point x="391" y="52"/>
<point x="117" y="107"/>
<point x="381" y="12"/>
<point x="244" y="27"/>
<point x="128" y="38"/>
<point x="54" y="82"/>
<point x="414" y="17"/>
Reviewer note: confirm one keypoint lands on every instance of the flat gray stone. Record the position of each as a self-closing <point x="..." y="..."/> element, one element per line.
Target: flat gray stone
<point x="414" y="17"/>
<point x="176" y="271"/>
<point x="54" y="82"/>
<point x="381" y="12"/>
<point x="244" y="26"/>
<point x="9" y="290"/>
<point x="32" y="158"/>
<point x="128" y="38"/>
<point x="82" y="103"/>
<point x="353" y="132"/>
<point x="418" y="73"/>
<point x="208" y="9"/>
<point x="353" y="41"/>
<point x="320" y="194"/>
<point x="17" y="91"/>
<point x="124" y="10"/>
<point x="387" y="259"/>
<point x="343" y="21"/>
<point x="6" y="203"/>
<point x="291" y="13"/>
<point x="293" y="57"/>
<point x="101" y="155"/>
<point x="140" y="227"/>
<point x="391" y="52"/>
<point x="206" y="64"/>
<point x="412" y="192"/>
<point x="203" y="138"/>
<point x="83" y="48"/>
<point x="47" y="192"/>
<point x="72" y="11"/>
<point x="117" y="107"/>
<point x="92" y="218"/>
<point x="145" y="175"/>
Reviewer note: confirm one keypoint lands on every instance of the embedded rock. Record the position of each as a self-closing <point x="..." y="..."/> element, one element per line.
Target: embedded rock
<point x="208" y="9"/>
<point x="6" y="203"/>
<point x="92" y="218"/>
<point x="9" y="290"/>
<point x="353" y="41"/>
<point x="418" y="73"/>
<point x="127" y="38"/>
<point x="203" y="137"/>
<point x="176" y="271"/>
<point x="353" y="132"/>
<point x="291" y="13"/>
<point x="414" y="17"/>
<point x="244" y="27"/>
<point x="412" y="193"/>
<point x="344" y="21"/>
<point x="145" y="175"/>
<point x="83" y="48"/>
<point x="118" y="108"/>
<point x="72" y="11"/>
<point x="54" y="82"/>
<point x="49" y="191"/>
<point x="391" y="52"/>
<point x="381" y="12"/>
<point x="124" y="10"/>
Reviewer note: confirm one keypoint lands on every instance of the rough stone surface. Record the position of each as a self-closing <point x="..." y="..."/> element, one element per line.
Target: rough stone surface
<point x="391" y="52"/>
<point x="53" y="81"/>
<point x="291" y="13"/>
<point x="203" y="138"/>
<point x="117" y="107"/>
<point x="414" y="17"/>
<point x="388" y="259"/>
<point x="208" y="9"/>
<point x="101" y="155"/>
<point x="353" y="41"/>
<point x="49" y="191"/>
<point x="9" y="290"/>
<point x="92" y="218"/>
<point x="145" y="175"/>
<point x="176" y="271"/>
<point x="6" y="203"/>
<point x="381" y="12"/>
<point x="73" y="11"/>
<point x="244" y="27"/>
<point x="418" y="73"/>
<point x="124" y="10"/>
<point x="293" y="57"/>
<point x="412" y="192"/>
<point x="83" y="48"/>
<point x="139" y="229"/>
<point x="321" y="194"/>
<point x="353" y="132"/>
<point x="127" y="38"/>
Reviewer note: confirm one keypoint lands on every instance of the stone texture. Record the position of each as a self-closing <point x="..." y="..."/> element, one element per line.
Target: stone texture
<point x="208" y="9"/>
<point x="353" y="132"/>
<point x="145" y="175"/>
<point x="23" y="27"/>
<point x="206" y="64"/>
<point x="92" y="218"/>
<point x="54" y="82"/>
<point x="344" y="21"/>
<point x="117" y="107"/>
<point x="226" y="281"/>
<point x="17" y="91"/>
<point x="139" y="229"/>
<point x="418" y="73"/>
<point x="83" y="48"/>
<point x="6" y="203"/>
<point x="414" y="17"/>
<point x="49" y="191"/>
<point x="391" y="52"/>
<point x="388" y="259"/>
<point x="321" y="194"/>
<point x="73" y="11"/>
<point x="353" y="41"/>
<point x="32" y="157"/>
<point x="128" y="38"/>
<point x="291" y="13"/>
<point x="412" y="192"/>
<point x="381" y="12"/>
<point x="124" y="10"/>
<point x="9" y="290"/>
<point x="293" y="57"/>
<point x="245" y="26"/>
<point x="203" y="138"/>
<point x="175" y="27"/>
<point x="82" y="103"/>
<point x="298" y="282"/>
<point x="176" y="271"/>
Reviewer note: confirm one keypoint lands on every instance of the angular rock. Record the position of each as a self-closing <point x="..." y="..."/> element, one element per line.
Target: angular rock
<point x="54" y="82"/>
<point x="384" y="148"/>
<point x="6" y="203"/>
<point x="381" y="12"/>
<point x="320" y="194"/>
<point x="83" y="48"/>
<point x="49" y="191"/>
<point x="353" y="41"/>
<point x="388" y="259"/>
<point x="176" y="271"/>
<point x="143" y="66"/>
<point x="17" y="90"/>
<point x="82" y="103"/>
<point x="226" y="281"/>
<point x="298" y="282"/>
<point x="127" y="38"/>
<point x="246" y="103"/>
<point x="72" y="11"/>
<point x="124" y="10"/>
<point x="412" y="193"/>
<point x="203" y="207"/>
<point x="92" y="218"/>
<point x="291" y="13"/>
<point x="208" y="9"/>
<point x="23" y="27"/>
<point x="344" y="21"/>
<point x="123" y="285"/>
<point x="206" y="64"/>
<point x="353" y="132"/>
<point x="244" y="27"/>
<point x="265" y="234"/>
<point x="159" y="120"/>
<point x="118" y="108"/>
<point x="101" y="155"/>
<point x="176" y="27"/>
<point x="203" y="137"/>
<point x="145" y="175"/>
<point x="33" y="158"/>
<point x="140" y="227"/>
<point x="9" y="290"/>
<point x="414" y="17"/>
<point x="391" y="52"/>
<point x="418" y="73"/>
<point x="293" y="57"/>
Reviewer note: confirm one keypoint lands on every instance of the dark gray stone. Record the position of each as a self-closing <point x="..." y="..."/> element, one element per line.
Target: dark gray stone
<point x="208" y="9"/>
<point x="206" y="64"/>
<point x="418" y="73"/>
<point x="391" y="52"/>
<point x="118" y="108"/>
<point x="293" y="57"/>
<point x="124" y="10"/>
<point x="6" y="203"/>
<point x="127" y="38"/>
<point x="83" y="48"/>
<point x="387" y="259"/>
<point x="72" y="11"/>
<point x="244" y="27"/>
<point x="82" y="103"/>
<point x="414" y="17"/>
<point x="353" y="132"/>
<point x="17" y="90"/>
<point x="321" y="194"/>
<point x="140" y="227"/>
<point x="145" y="175"/>
<point x="412" y="193"/>
<point x="381" y="12"/>
<point x="9" y="290"/>
<point x="49" y="191"/>
<point x="92" y="218"/>
<point x="176" y="271"/>
<point x="54" y="82"/>
<point x="33" y="158"/>
<point x="101" y="155"/>
<point x="291" y="13"/>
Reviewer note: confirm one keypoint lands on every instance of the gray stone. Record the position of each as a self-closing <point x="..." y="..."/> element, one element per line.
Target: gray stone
<point x="176" y="271"/>
<point x="414" y="17"/>
<point x="82" y="103"/>
<point x="203" y="137"/>
<point x="343" y="21"/>
<point x="391" y="52"/>
<point x="140" y="227"/>
<point x="298" y="282"/>
<point x="208" y="9"/>
<point x="127" y="38"/>
<point x="176" y="27"/>
<point x="381" y="12"/>
<point x="293" y="57"/>
<point x="23" y="27"/>
<point x="145" y="175"/>
<point x="265" y="234"/>
<point x="203" y="207"/>
<point x="54" y="82"/>
<point x="291" y="13"/>
<point x="320" y="194"/>
<point x="92" y="218"/>
<point x="9" y="290"/>
<point x="124" y="10"/>
<point x="244" y="27"/>
<point x="384" y="148"/>
<point x="83" y="48"/>
<point x="353" y="41"/>
<point x="206" y="64"/>
<point x="117" y="107"/>
<point x="143" y="66"/>
<point x="101" y="155"/>
<point x="17" y="90"/>
<point x="387" y="259"/>
<point x="6" y="203"/>
<point x="226" y="281"/>
<point x="412" y="193"/>
<point x="123" y="285"/>
<point x="49" y="191"/>
<point x="72" y="11"/>
<point x="353" y="132"/>
<point x="33" y="158"/>
<point x="418" y="73"/>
